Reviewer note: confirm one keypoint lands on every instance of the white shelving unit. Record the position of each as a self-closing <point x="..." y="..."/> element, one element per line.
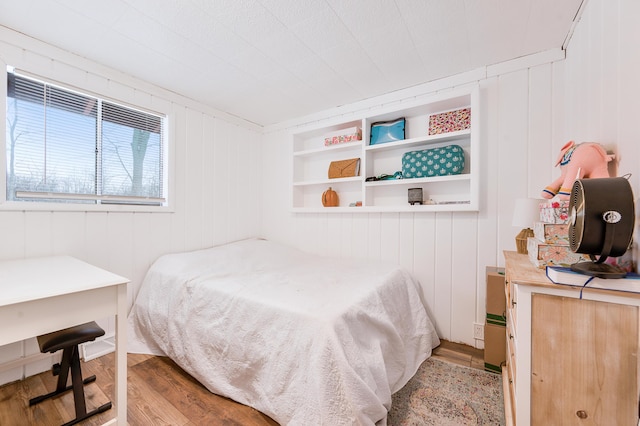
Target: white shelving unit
<point x="445" y="193"/>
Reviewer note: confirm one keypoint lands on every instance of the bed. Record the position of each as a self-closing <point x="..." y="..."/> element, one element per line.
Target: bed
<point x="305" y="339"/>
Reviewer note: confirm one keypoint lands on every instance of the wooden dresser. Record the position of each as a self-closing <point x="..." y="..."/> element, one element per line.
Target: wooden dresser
<point x="570" y="360"/>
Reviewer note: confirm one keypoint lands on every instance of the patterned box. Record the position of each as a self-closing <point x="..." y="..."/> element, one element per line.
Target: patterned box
<point x="450" y="121"/>
<point x="543" y="255"/>
<point x="552" y="233"/>
<point x="341" y="136"/>
<point x="554" y="211"/>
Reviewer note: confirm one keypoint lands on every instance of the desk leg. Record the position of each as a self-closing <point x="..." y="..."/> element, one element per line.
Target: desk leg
<point x="121" y="356"/>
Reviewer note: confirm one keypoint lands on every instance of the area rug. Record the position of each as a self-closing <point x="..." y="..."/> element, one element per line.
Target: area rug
<point x="446" y="394"/>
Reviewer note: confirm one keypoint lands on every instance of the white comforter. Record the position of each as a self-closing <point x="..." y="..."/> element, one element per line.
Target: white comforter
<point x="307" y="340"/>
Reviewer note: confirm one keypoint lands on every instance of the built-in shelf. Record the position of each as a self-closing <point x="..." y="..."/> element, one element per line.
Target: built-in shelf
<point x="311" y="159"/>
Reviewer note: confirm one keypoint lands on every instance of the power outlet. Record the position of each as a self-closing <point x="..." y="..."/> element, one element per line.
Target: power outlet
<point x="478" y="331"/>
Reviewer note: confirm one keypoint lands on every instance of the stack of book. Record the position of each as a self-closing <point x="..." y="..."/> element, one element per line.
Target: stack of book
<point x="549" y="245"/>
<point x="565" y="276"/>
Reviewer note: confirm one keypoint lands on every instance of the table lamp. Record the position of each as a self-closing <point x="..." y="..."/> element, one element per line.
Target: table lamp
<point x="525" y="213"/>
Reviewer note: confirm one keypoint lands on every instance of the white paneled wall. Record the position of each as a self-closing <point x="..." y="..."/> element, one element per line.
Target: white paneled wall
<point x="215" y="170"/>
<point x="531" y="107"/>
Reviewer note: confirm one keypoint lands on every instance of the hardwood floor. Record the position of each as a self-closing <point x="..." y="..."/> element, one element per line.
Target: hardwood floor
<point x="159" y="393"/>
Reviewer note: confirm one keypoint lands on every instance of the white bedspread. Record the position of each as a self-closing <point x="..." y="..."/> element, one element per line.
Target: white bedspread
<point x="307" y="340"/>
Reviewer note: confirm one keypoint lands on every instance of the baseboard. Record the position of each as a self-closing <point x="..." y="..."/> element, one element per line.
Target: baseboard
<point x="22" y="361"/>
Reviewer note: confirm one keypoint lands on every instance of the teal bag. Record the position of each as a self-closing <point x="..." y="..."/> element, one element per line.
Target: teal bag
<point x="444" y="161"/>
<point x="387" y="131"/>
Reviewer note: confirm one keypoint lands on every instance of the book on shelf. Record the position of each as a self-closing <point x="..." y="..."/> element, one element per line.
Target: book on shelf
<point x="566" y="276"/>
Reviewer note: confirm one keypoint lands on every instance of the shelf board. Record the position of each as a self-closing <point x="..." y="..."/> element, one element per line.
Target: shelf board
<point x="421" y="140"/>
<point x="418" y="181"/>
<point x="328" y="181"/>
<point x="430" y="208"/>
<point x="332" y="148"/>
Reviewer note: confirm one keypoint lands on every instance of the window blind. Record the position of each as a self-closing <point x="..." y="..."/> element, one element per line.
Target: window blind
<point x="66" y="146"/>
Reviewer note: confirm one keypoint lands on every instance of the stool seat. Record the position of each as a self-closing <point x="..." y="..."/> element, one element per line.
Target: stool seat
<point x="68" y="340"/>
<point x="53" y="342"/>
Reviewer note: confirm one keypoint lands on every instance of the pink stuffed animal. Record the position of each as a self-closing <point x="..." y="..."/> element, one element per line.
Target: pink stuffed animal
<point x="577" y="161"/>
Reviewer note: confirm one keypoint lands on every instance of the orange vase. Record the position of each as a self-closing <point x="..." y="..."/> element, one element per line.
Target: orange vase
<point x="330" y="198"/>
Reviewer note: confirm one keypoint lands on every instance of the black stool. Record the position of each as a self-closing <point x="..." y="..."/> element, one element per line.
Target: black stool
<point x="68" y="340"/>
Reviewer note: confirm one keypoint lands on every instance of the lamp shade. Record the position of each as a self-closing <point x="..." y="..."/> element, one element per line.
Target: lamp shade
<point x="526" y="212"/>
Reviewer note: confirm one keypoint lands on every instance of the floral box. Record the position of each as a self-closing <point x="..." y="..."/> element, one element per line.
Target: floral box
<point x="450" y="121"/>
<point x="543" y="255"/>
<point x="341" y="136"/>
<point x="554" y="211"/>
<point x="552" y="233"/>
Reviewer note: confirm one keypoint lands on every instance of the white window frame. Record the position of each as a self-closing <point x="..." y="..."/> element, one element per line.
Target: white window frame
<point x="10" y="205"/>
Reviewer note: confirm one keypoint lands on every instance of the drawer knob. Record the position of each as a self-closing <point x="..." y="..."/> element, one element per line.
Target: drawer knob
<point x="582" y="414"/>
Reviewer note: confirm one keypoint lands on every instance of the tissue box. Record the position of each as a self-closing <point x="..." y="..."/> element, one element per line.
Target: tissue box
<point x="450" y="121"/>
<point x="543" y="255"/>
<point x="341" y="136"/>
<point x="554" y="211"/>
<point x="552" y="233"/>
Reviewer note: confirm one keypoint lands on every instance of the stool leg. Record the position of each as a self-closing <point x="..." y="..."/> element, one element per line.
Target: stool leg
<point x="65" y="365"/>
<point x="77" y="383"/>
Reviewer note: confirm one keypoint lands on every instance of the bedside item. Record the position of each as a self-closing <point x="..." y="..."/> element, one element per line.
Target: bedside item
<point x="450" y="121"/>
<point x="445" y="161"/>
<point x="577" y="161"/>
<point x="554" y="211"/>
<point x="601" y="224"/>
<point x="415" y="196"/>
<point x="525" y="213"/>
<point x="344" y="168"/>
<point x="342" y="136"/>
<point x="387" y="131"/>
<point x="330" y="198"/>
<point x="542" y="255"/>
<point x="552" y="233"/>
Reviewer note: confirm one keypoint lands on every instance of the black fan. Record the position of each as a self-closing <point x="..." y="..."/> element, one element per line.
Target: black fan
<point x="601" y="223"/>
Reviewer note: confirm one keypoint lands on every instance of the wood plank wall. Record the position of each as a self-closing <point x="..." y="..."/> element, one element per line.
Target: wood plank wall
<point x="531" y="106"/>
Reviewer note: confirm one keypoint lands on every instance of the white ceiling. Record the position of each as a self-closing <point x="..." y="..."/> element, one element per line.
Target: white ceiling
<point x="272" y="60"/>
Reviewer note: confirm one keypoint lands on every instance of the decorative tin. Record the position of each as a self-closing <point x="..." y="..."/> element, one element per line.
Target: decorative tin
<point x="450" y="121"/>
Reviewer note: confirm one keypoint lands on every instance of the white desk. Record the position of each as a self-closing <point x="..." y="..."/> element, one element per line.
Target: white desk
<point x="45" y="294"/>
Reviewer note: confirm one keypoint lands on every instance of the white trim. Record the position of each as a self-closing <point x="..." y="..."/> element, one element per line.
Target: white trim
<point x="22" y="361"/>
<point x="525" y="62"/>
<point x="576" y="19"/>
<point x="89" y="197"/>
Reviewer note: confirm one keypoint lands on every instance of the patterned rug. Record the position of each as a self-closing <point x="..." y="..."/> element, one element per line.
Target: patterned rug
<point x="445" y="394"/>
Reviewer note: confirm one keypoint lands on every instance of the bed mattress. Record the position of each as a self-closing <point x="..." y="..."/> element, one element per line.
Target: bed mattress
<point x="305" y="339"/>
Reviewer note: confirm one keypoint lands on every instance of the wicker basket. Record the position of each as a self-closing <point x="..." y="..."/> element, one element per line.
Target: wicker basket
<point x="521" y="240"/>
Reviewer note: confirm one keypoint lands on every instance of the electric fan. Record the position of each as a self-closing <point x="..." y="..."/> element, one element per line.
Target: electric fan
<point x="602" y="219"/>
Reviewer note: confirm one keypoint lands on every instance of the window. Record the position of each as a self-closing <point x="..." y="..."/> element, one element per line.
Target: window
<point x="66" y="146"/>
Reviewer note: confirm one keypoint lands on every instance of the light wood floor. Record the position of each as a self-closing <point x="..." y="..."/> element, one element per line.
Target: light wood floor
<point x="159" y="393"/>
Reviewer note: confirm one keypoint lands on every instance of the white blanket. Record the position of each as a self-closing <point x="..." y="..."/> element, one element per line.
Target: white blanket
<point x="307" y="340"/>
